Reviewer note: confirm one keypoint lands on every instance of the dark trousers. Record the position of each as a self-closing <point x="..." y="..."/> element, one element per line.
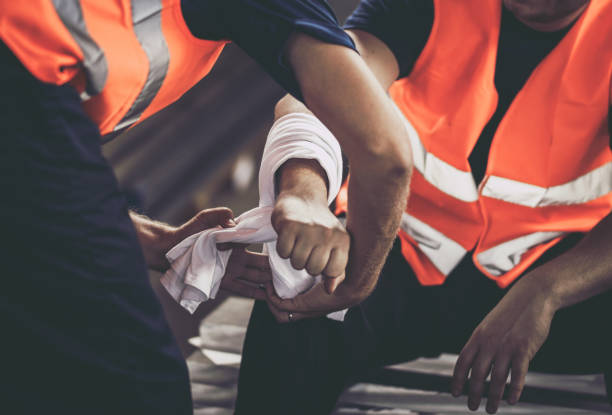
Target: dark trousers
<point x="302" y="368"/>
<point x="82" y="331"/>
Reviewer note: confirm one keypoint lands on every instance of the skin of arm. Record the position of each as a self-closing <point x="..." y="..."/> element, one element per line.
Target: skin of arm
<point x="348" y="94"/>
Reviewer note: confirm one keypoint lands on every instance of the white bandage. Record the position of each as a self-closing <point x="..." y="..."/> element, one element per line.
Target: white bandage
<point x="197" y="266"/>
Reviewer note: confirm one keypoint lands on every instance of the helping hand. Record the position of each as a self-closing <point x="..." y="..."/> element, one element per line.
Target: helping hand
<point x="157" y="238"/>
<point x="315" y="302"/>
<point x="247" y="273"/>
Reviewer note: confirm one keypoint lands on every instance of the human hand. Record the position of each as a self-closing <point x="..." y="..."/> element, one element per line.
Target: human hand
<point x="311" y="237"/>
<point x="247" y="273"/>
<point x="157" y="238"/>
<point x="505" y="341"/>
<point x="315" y="302"/>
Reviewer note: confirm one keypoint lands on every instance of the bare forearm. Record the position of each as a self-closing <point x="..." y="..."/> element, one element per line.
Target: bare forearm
<point x="353" y="105"/>
<point x="372" y="220"/>
<point x="155" y="239"/>
<point x="582" y="272"/>
<point x="303" y="178"/>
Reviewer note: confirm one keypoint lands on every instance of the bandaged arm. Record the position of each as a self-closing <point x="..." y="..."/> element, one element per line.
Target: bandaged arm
<point x="375" y="141"/>
<point x="197" y="266"/>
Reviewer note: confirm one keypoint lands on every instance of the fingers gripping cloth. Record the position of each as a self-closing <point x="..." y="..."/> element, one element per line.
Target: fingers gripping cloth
<point x="197" y="266"/>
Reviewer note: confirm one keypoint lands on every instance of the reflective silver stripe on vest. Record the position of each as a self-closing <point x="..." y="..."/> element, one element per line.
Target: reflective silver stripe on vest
<point x="443" y="252"/>
<point x="445" y="177"/>
<point x="505" y="256"/>
<point x="590" y="186"/>
<point x="146" y="18"/>
<point x="460" y="184"/>
<point x="94" y="61"/>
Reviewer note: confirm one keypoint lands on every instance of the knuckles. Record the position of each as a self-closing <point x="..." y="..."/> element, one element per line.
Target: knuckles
<point x="498" y="377"/>
<point x="297" y="263"/>
<point x="316" y="231"/>
<point x="283" y="249"/>
<point x="283" y="224"/>
<point x="314" y="270"/>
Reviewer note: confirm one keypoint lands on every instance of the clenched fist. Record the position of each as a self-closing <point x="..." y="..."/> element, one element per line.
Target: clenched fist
<point x="311" y="237"/>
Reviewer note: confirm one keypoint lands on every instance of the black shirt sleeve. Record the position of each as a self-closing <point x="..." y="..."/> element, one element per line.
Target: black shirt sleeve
<point x="262" y="27"/>
<point x="403" y="25"/>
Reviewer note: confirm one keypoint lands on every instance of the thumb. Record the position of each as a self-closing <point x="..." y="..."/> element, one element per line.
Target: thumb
<point x="331" y="283"/>
<point x="209" y="218"/>
<point x="206" y="219"/>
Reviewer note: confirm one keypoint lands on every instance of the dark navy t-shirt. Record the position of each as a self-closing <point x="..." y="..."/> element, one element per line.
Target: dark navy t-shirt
<point x="404" y="26"/>
<point x="262" y="27"/>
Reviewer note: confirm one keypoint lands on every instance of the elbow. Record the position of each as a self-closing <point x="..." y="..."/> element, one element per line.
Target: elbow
<point x="392" y="162"/>
<point x="400" y="165"/>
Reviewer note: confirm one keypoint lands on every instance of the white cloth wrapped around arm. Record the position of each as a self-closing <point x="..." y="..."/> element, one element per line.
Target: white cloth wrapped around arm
<point x="197" y="266"/>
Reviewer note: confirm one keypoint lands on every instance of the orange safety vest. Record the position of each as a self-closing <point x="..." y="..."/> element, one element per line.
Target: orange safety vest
<point x="127" y="58"/>
<point x="549" y="169"/>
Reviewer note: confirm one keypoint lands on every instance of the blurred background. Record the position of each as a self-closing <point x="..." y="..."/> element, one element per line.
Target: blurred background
<point x="201" y="152"/>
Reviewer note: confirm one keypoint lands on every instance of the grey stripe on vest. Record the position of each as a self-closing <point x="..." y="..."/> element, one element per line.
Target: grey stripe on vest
<point x="146" y="17"/>
<point x="94" y="61"/>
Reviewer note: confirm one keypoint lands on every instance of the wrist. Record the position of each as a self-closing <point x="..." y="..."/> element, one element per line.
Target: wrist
<point x="161" y="238"/>
<point x="302" y="195"/>
<point x="156" y="238"/>
<point x="302" y="178"/>
<point x="545" y="286"/>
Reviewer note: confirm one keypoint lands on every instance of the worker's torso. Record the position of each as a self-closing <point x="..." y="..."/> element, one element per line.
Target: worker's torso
<point x="127" y="58"/>
<point x="548" y="171"/>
